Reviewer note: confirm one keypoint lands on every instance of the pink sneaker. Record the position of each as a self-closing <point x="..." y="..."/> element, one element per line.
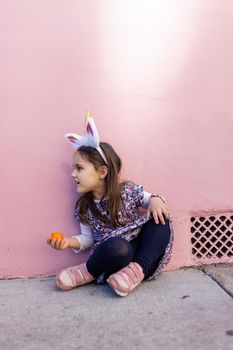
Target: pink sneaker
<point x="73" y="276"/>
<point x="125" y="280"/>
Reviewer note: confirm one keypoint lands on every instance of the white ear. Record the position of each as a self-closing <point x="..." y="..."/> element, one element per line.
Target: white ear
<point x="74" y="139"/>
<point x="90" y="132"/>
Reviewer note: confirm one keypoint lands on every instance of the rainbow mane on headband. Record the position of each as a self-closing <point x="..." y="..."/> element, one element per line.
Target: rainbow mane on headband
<point x="90" y="138"/>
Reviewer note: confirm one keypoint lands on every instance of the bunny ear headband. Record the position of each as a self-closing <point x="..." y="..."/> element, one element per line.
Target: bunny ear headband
<point x="90" y="138"/>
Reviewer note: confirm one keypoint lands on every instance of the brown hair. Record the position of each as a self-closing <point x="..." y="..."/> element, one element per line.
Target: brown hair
<point x="112" y="185"/>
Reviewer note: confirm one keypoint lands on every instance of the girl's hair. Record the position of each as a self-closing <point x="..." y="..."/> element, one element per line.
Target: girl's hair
<point x="112" y="185"/>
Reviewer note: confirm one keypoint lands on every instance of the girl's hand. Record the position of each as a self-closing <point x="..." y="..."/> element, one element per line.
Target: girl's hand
<point x="158" y="209"/>
<point x="58" y="243"/>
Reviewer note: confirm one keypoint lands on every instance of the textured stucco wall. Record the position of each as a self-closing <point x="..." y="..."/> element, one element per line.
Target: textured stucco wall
<point x="157" y="77"/>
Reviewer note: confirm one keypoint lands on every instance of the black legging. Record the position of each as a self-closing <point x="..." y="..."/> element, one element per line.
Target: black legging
<point x="146" y="249"/>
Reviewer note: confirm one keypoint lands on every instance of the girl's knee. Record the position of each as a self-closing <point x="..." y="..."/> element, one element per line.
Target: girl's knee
<point x="118" y="247"/>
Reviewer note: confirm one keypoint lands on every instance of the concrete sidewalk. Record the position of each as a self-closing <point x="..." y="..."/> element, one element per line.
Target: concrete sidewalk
<point x="184" y="309"/>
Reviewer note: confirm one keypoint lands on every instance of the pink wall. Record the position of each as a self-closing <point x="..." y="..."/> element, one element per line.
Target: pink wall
<point x="157" y="77"/>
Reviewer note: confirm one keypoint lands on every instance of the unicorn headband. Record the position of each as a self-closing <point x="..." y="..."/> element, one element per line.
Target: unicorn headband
<point x="90" y="138"/>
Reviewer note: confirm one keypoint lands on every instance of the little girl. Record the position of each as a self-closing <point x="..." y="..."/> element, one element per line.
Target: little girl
<point x="126" y="247"/>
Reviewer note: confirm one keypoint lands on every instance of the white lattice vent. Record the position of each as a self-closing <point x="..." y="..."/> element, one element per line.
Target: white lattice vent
<point x="212" y="238"/>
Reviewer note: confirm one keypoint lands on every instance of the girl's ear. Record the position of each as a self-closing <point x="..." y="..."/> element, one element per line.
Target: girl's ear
<point x="103" y="171"/>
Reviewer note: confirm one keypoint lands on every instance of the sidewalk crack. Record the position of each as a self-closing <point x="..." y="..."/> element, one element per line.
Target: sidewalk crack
<point x="216" y="281"/>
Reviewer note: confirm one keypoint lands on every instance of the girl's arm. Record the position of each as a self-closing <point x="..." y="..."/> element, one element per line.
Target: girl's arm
<point x="83" y="241"/>
<point x="77" y="243"/>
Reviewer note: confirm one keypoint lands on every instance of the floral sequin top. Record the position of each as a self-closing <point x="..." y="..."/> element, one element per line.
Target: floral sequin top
<point x="132" y="198"/>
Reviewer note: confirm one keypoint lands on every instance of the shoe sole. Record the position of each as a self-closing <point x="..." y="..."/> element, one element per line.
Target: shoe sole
<point x="122" y="294"/>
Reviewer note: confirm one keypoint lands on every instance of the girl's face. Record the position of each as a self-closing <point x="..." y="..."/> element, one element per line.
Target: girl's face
<point x="88" y="179"/>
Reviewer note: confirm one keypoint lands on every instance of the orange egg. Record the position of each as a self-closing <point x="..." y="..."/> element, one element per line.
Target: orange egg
<point x="56" y="235"/>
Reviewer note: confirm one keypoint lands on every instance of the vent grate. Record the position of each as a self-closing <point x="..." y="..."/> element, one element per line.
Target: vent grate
<point x="212" y="238"/>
